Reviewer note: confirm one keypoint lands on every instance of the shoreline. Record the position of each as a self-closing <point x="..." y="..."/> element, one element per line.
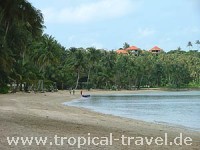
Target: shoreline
<point x="173" y="125"/>
<point x="43" y="114"/>
<point x="170" y="125"/>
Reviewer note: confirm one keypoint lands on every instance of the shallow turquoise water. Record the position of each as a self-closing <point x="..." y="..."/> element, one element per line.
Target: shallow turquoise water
<point x="175" y="108"/>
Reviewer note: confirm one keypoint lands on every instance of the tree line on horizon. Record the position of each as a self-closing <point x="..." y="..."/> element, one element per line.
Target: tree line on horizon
<point x="28" y="56"/>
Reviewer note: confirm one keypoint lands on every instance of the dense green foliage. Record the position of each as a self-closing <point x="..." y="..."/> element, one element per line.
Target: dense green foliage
<point x="29" y="56"/>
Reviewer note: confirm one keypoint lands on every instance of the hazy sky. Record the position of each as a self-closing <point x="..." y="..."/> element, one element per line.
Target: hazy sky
<point x="109" y="23"/>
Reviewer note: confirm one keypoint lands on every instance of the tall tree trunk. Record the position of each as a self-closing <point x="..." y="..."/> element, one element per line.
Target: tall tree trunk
<point x="136" y="80"/>
<point x="7" y="27"/>
<point x="78" y="76"/>
<point x="62" y="85"/>
<point x="88" y="78"/>
<point x="139" y="83"/>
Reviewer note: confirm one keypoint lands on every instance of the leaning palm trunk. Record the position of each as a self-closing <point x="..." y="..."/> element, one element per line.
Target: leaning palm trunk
<point x="88" y="78"/>
<point x="7" y="28"/>
<point x="78" y="76"/>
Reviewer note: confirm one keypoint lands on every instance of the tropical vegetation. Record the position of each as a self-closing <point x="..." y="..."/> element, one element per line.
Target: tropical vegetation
<point x="33" y="60"/>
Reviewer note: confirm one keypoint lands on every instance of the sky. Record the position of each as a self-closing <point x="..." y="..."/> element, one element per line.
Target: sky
<point x="108" y="24"/>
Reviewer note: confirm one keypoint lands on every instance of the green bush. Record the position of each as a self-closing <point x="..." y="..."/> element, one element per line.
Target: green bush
<point x="4" y="89"/>
<point x="194" y="85"/>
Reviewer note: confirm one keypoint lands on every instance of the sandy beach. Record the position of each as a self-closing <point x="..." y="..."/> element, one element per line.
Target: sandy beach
<point x="44" y="115"/>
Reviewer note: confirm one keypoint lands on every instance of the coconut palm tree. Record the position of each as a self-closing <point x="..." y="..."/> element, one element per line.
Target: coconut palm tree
<point x="92" y="57"/>
<point x="198" y="43"/>
<point x="18" y="19"/>
<point x="126" y="45"/>
<point x="21" y="11"/>
<point x="77" y="62"/>
<point x="45" y="53"/>
<point x="189" y="45"/>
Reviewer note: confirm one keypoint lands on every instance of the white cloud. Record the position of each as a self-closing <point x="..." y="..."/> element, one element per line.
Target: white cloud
<point x="95" y="10"/>
<point x="145" y="32"/>
<point x="84" y="40"/>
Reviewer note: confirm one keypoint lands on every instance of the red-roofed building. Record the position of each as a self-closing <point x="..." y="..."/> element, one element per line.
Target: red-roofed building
<point x="155" y="50"/>
<point x="131" y="49"/>
<point x="121" y="51"/>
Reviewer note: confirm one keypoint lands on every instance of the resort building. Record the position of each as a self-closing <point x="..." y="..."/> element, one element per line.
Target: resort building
<point x="131" y="49"/>
<point x="155" y="50"/>
<point x="135" y="50"/>
<point x="121" y="51"/>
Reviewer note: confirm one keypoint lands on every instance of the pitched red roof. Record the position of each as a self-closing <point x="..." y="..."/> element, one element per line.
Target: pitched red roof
<point x="131" y="48"/>
<point x="156" y="48"/>
<point x="121" y="51"/>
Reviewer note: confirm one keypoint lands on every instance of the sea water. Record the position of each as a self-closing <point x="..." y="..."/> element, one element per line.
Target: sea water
<point x="174" y="108"/>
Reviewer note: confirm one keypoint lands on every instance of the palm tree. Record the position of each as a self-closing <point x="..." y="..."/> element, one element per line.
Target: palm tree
<point x="21" y="11"/>
<point x="189" y="45"/>
<point x="18" y="20"/>
<point x="45" y="52"/>
<point x="126" y="45"/>
<point x="77" y="62"/>
<point x="93" y="55"/>
<point x="198" y="43"/>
